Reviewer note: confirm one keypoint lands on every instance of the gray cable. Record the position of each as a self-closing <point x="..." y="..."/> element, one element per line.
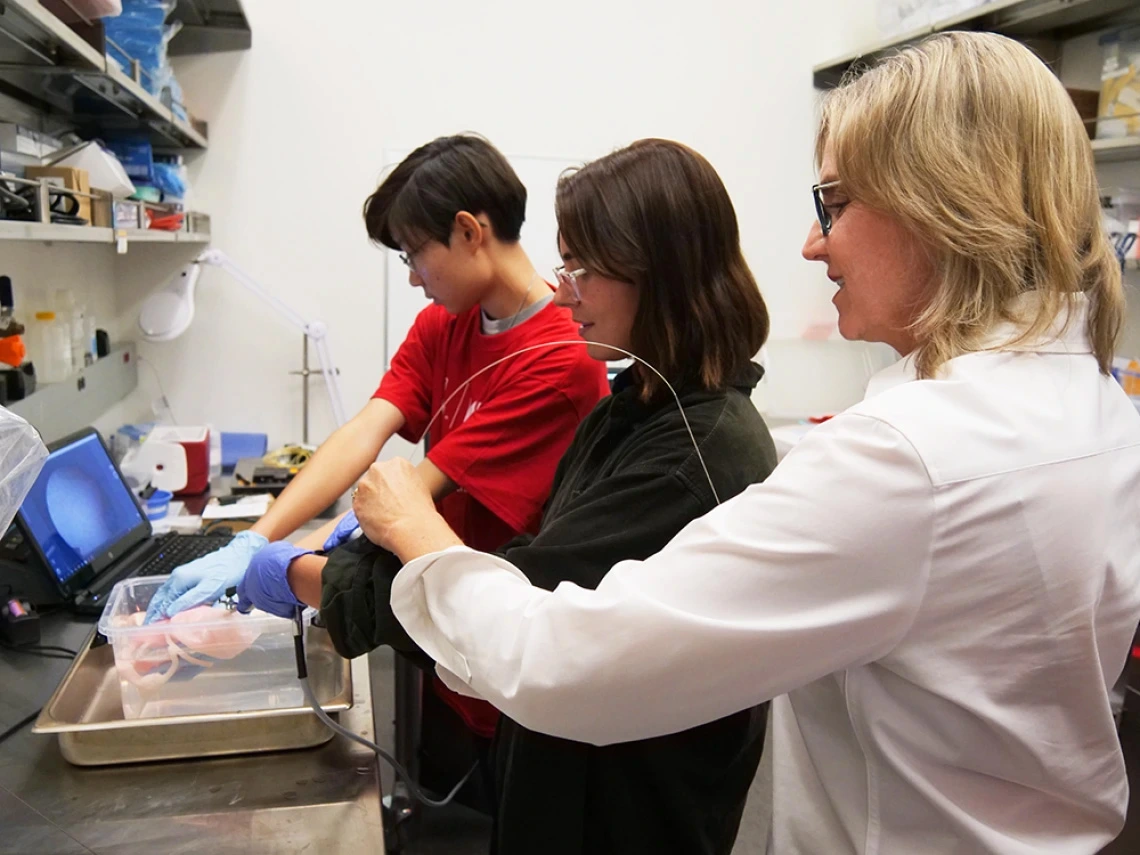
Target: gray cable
<point x="161" y="390"/>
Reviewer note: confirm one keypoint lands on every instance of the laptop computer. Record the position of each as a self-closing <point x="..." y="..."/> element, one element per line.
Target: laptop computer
<point x="88" y="529"/>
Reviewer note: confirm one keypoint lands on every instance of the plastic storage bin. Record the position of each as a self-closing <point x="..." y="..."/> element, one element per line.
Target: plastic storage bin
<point x="205" y="660"/>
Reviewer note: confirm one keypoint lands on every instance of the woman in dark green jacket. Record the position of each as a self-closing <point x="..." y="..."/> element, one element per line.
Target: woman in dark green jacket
<point x="651" y="264"/>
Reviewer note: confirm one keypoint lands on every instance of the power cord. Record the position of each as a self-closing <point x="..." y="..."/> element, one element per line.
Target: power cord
<point x="47" y="651"/>
<point x="161" y="390"/>
<point x="24" y="722"/>
<point x="303" y="677"/>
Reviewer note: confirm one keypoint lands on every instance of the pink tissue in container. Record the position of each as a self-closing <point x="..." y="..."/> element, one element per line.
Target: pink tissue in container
<point x="210" y="659"/>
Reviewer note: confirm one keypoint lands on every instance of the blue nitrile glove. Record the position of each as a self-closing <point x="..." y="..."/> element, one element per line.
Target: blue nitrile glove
<point x="205" y="580"/>
<point x="266" y="582"/>
<point x="343" y="531"/>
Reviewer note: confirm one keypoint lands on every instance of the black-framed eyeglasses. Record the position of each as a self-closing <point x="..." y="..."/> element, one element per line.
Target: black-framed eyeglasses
<point x="409" y="258"/>
<point x="826" y="212"/>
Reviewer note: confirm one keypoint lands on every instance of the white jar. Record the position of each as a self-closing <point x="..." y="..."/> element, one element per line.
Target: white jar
<point x="49" y="347"/>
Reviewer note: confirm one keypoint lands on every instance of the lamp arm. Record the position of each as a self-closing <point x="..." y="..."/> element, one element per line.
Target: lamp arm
<point x="316" y="331"/>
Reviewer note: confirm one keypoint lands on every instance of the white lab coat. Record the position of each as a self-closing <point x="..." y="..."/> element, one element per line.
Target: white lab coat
<point x="942" y="582"/>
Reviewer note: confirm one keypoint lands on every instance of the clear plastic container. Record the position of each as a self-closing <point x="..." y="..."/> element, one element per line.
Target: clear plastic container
<point x="49" y="347"/>
<point x="70" y="311"/>
<point x="205" y="660"/>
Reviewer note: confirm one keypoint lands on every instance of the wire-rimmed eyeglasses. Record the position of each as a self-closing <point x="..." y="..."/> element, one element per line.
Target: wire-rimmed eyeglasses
<point x="569" y="278"/>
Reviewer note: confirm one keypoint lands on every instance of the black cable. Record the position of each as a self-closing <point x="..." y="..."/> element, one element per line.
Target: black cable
<point x="56" y="649"/>
<point x="20" y="724"/>
<point x="311" y="699"/>
<point x="47" y="651"/>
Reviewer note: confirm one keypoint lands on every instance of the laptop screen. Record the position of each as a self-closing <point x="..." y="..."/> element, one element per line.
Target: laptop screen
<point x="80" y="509"/>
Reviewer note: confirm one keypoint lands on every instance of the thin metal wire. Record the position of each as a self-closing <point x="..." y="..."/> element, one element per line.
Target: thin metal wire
<point x="633" y="356"/>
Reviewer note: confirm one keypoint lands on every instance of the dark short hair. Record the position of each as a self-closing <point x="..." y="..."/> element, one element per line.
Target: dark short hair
<point x="420" y="197"/>
<point x="657" y="215"/>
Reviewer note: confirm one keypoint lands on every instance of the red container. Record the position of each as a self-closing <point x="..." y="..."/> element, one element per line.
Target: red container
<point x="196" y="441"/>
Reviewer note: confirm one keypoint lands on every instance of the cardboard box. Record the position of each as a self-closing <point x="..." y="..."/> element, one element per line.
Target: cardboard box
<point x="103" y="167"/>
<point x="101" y="209"/>
<point x="70" y="178"/>
<point x="1086" y="101"/>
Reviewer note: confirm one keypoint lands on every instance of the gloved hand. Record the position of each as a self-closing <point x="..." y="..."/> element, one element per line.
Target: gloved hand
<point x="266" y="582"/>
<point x="343" y="531"/>
<point x="205" y="580"/>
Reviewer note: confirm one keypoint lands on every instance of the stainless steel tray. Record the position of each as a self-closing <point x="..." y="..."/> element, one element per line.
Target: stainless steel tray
<point x="87" y="713"/>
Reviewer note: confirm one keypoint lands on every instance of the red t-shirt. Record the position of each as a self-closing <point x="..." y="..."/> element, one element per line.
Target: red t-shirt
<point x="500" y="439"/>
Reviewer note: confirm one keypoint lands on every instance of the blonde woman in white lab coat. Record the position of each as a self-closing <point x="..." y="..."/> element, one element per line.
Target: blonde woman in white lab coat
<point x="939" y="585"/>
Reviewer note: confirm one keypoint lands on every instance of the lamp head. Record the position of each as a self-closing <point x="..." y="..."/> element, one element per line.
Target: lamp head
<point x="167" y="314"/>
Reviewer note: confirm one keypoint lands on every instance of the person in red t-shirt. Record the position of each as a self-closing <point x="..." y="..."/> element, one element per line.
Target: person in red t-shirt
<point x="454" y="208"/>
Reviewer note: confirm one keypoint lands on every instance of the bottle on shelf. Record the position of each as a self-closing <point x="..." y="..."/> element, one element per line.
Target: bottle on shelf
<point x="12" y="348"/>
<point x="90" y="341"/>
<point x="49" y="346"/>
<point x="69" y="311"/>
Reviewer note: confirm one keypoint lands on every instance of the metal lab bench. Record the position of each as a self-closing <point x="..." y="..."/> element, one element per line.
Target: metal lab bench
<point x="325" y="799"/>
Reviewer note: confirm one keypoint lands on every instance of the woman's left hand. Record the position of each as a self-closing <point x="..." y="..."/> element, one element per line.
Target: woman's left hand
<point x="396" y="511"/>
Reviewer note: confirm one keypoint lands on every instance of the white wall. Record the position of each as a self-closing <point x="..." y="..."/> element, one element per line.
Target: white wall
<point x="299" y="123"/>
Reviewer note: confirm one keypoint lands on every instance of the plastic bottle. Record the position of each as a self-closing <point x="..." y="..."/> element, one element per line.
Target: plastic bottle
<point x="69" y="312"/>
<point x="49" y="346"/>
<point x="91" y="352"/>
<point x="12" y="349"/>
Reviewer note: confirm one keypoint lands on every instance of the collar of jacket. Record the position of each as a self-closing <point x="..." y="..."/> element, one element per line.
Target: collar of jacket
<point x="1067" y="334"/>
<point x="627" y="402"/>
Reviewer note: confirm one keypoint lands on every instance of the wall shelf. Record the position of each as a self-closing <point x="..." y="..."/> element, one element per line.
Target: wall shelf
<point x="210" y="26"/>
<point x="1116" y="150"/>
<point x="1020" y="19"/>
<point x="57" y="409"/>
<point x="46" y="64"/>
<point x="52" y="233"/>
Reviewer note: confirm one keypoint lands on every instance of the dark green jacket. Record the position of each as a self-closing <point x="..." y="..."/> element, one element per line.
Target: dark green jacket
<point x="629" y="482"/>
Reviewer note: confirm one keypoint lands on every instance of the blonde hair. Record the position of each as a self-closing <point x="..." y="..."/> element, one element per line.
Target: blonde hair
<point x="974" y="146"/>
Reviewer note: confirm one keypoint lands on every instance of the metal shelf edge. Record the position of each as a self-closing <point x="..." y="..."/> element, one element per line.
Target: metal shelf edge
<point x="56" y="29"/>
<point x="55" y="233"/>
<point x="829" y="72"/>
<point x="155" y="107"/>
<point x="1116" y="150"/>
<point x="48" y="232"/>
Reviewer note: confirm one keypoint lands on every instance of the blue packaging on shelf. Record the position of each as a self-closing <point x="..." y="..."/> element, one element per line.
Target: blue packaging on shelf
<point x="169" y="178"/>
<point x="137" y="157"/>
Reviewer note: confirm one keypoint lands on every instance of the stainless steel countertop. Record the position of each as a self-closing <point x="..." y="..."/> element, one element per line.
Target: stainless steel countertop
<point x="325" y="799"/>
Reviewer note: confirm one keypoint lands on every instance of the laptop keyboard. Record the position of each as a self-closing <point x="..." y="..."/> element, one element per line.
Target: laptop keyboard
<point x="175" y="550"/>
